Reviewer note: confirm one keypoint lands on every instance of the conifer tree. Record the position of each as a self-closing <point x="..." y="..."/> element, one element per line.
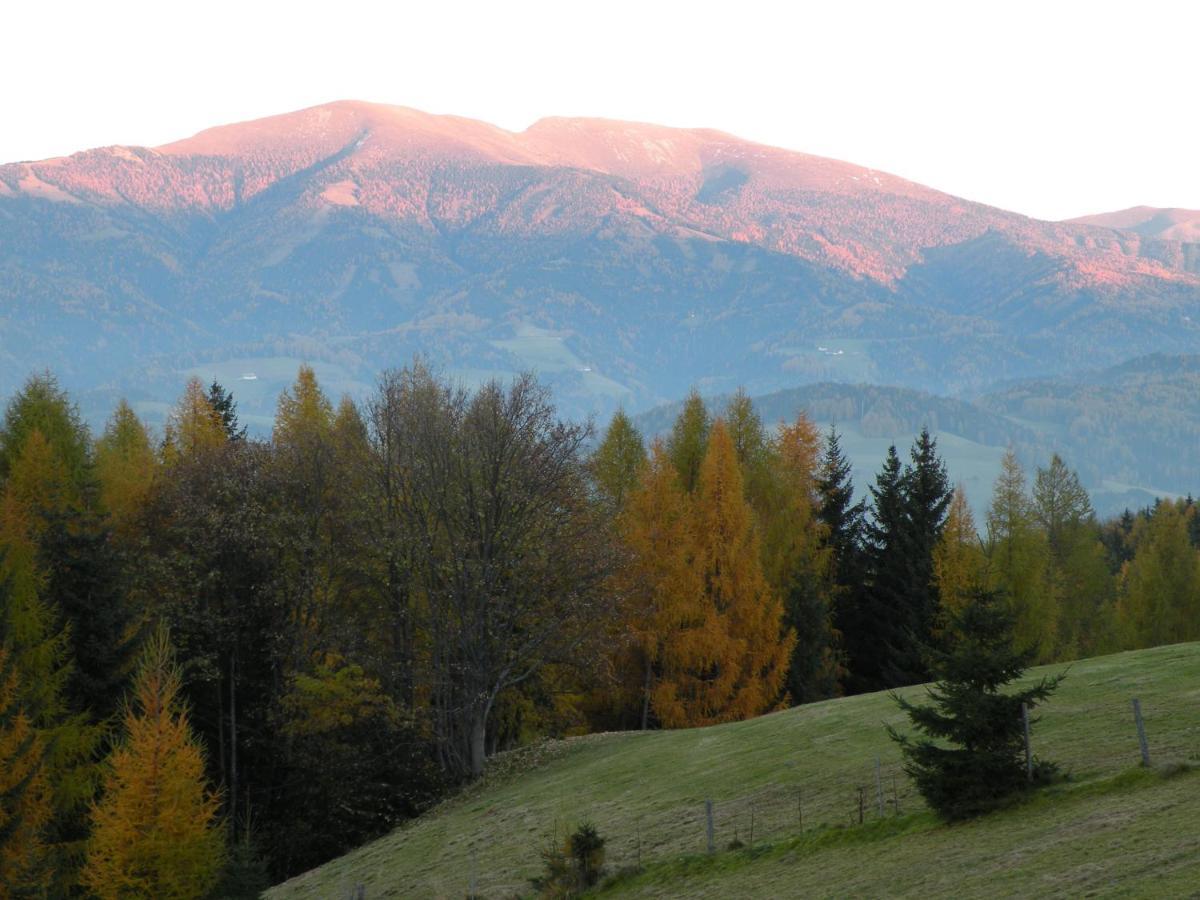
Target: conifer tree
<point x="25" y="796"/>
<point x="42" y="405"/>
<point x="223" y="404"/>
<point x="674" y="635"/>
<point x="959" y="563"/>
<point x="194" y="425"/>
<point x="617" y="463"/>
<point x="688" y="440"/>
<point x="750" y="678"/>
<point x="797" y="562"/>
<point x="125" y="468"/>
<point x="1017" y="553"/>
<point x="842" y="522"/>
<point x="880" y="629"/>
<point x="1159" y="600"/>
<point x="155" y="831"/>
<point x="984" y="764"/>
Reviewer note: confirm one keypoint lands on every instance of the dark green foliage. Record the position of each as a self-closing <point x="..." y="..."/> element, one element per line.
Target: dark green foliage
<point x="900" y="606"/>
<point x="843" y="521"/>
<point x="688" y="440"/>
<point x="971" y="757"/>
<point x="43" y="405"/>
<point x="226" y="407"/>
<point x="246" y="875"/>
<point x="574" y="867"/>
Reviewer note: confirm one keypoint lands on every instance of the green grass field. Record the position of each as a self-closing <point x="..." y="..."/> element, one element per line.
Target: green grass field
<point x="1111" y="830"/>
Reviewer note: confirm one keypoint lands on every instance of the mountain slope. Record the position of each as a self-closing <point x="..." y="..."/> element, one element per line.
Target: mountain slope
<point x="1149" y="221"/>
<point x="645" y="793"/>
<point x="623" y="261"/>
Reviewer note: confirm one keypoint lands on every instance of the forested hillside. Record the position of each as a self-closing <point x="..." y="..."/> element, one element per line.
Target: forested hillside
<point x="307" y="640"/>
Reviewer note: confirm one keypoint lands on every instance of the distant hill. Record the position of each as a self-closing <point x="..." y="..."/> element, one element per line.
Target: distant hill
<point x="624" y="262"/>
<point x="1149" y="221"/>
<point x="1130" y="430"/>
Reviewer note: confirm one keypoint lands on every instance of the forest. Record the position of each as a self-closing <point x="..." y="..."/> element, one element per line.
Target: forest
<point x="225" y="660"/>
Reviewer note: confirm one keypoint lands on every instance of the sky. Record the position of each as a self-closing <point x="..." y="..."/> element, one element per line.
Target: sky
<point x="1053" y="108"/>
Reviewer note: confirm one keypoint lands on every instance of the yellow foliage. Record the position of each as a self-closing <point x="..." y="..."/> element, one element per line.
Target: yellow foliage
<point x="304" y="412"/>
<point x="125" y="466"/>
<point x="1159" y="600"/>
<point x="25" y="796"/>
<point x="155" y="831"/>
<point x="193" y="425"/>
<point x="959" y="563"/>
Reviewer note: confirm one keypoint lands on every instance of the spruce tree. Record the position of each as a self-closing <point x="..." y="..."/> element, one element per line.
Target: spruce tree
<point x="984" y="764"/>
<point x="225" y="407"/>
<point x="842" y="521"/>
<point x="880" y="629"/>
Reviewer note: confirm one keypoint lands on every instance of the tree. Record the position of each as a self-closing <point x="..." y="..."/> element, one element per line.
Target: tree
<point x="1018" y="553"/>
<point x="41" y="405"/>
<point x="668" y="628"/>
<point x="688" y="440"/>
<point x="842" y="521"/>
<point x="617" y="463"/>
<point x="155" y="831"/>
<point x="194" y="425"/>
<point x="25" y="796"/>
<point x="959" y="564"/>
<point x="125" y="468"/>
<point x="509" y="552"/>
<point x="225" y="407"/>
<point x="1159" y="599"/>
<point x="748" y="676"/>
<point x="984" y="764"/>
<point x="797" y="561"/>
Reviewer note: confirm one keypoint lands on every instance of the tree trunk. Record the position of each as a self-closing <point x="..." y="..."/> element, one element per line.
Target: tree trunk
<point x="478" y="741"/>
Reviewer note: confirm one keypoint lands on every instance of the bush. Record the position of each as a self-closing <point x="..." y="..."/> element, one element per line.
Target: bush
<point x="573" y="867"/>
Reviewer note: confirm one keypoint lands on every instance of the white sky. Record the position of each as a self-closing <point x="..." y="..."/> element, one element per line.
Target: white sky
<point x="1051" y="108"/>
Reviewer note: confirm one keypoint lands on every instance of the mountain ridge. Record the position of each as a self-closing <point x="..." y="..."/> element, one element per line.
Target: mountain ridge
<point x="624" y="262"/>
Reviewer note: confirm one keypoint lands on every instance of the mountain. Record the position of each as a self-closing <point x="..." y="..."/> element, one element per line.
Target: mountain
<point x="625" y="262"/>
<point x="1152" y="222"/>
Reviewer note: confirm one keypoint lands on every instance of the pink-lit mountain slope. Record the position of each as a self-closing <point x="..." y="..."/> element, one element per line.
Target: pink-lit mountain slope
<point x="1152" y="222"/>
<point x="623" y="261"/>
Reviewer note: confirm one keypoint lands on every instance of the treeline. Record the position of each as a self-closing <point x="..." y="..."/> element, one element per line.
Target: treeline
<point x="225" y="660"/>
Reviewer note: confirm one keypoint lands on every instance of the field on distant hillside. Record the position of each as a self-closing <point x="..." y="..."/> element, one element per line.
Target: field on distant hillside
<point x="1109" y="830"/>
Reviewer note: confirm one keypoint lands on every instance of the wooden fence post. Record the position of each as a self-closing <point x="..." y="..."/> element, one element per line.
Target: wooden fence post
<point x="708" y="815"/>
<point x="878" y="787"/>
<point x="1141" y="730"/>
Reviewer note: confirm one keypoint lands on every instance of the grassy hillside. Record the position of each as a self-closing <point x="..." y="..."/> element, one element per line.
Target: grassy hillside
<point x="648" y="790"/>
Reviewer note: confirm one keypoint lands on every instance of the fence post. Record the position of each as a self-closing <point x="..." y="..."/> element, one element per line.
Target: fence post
<point x="708" y="815"/>
<point x="878" y="787"/>
<point x="1141" y="730"/>
<point x="1028" y="749"/>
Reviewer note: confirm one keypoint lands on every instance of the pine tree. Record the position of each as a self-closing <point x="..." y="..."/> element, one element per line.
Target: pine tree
<point x="879" y="631"/>
<point x="688" y="440"/>
<point x="749" y="680"/>
<point x="617" y="462"/>
<point x="25" y="796"/>
<point x="984" y="764"/>
<point x="43" y="406"/>
<point x="155" y="831"/>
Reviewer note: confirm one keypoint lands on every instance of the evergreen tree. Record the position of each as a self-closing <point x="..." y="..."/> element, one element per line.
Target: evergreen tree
<point x="617" y="462"/>
<point x="688" y="440"/>
<point x="225" y="407"/>
<point x="41" y="405"/>
<point x="984" y="764"/>
<point x="842" y="524"/>
<point x="155" y="831"/>
<point x="879" y="632"/>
